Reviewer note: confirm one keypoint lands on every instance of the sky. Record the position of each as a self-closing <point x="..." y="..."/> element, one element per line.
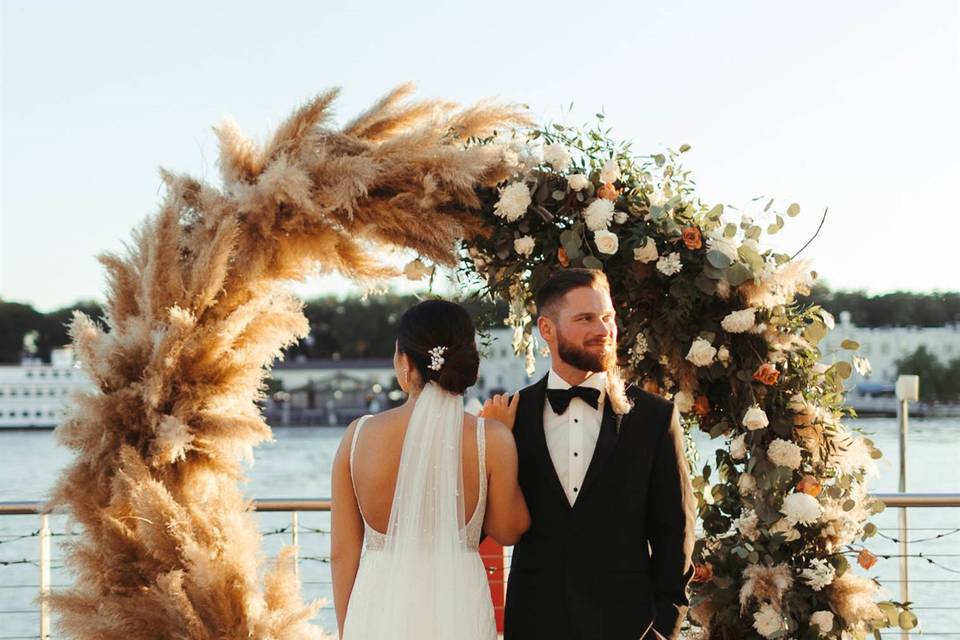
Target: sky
<point x="853" y="106"/>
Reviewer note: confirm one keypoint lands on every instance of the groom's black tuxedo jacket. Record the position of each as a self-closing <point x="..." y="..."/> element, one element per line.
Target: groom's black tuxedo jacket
<point x="584" y="572"/>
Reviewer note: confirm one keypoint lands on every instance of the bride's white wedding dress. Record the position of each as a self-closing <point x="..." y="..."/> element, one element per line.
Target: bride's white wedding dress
<point x="423" y="579"/>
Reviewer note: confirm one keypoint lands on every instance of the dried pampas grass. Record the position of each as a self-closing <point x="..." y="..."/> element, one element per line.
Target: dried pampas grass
<point x="196" y="312"/>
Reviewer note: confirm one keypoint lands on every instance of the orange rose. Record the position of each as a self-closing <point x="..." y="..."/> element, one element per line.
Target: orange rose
<point x="607" y="191"/>
<point x="703" y="572"/>
<point x="810" y="486"/>
<point x="866" y="559"/>
<point x="767" y="374"/>
<point x="701" y="405"/>
<point x="651" y="386"/>
<point x="691" y="238"/>
<point x="562" y="257"/>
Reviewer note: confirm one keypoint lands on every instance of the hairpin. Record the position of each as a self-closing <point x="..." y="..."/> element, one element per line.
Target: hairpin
<point x="436" y="357"/>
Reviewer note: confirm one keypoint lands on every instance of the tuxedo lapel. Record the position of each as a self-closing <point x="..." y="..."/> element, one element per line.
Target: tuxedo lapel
<point x="533" y="420"/>
<point x="606" y="444"/>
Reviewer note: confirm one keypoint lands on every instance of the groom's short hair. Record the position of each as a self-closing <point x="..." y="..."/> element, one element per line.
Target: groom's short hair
<point x="551" y="293"/>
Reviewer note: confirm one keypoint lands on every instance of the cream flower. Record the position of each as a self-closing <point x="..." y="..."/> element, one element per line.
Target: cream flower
<point x="768" y="621"/>
<point x="598" y="214"/>
<point x="701" y="352"/>
<point x="610" y="171"/>
<point x="819" y="574"/>
<point x="607" y="242"/>
<point x="640" y="347"/>
<point x="747" y="523"/>
<point x="647" y="252"/>
<point x="785" y="453"/>
<point x="669" y="264"/>
<point x="524" y="245"/>
<point x="723" y="354"/>
<point x="739" y="321"/>
<point x="557" y="156"/>
<point x="800" y="508"/>
<point x="784" y="527"/>
<point x="514" y="201"/>
<point x="684" y="401"/>
<point x="746" y="484"/>
<point x="755" y="418"/>
<point x="738" y="447"/>
<point x="577" y="181"/>
<point x="823" y="620"/>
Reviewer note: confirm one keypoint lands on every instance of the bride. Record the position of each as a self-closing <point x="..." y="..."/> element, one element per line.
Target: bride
<point x="412" y="489"/>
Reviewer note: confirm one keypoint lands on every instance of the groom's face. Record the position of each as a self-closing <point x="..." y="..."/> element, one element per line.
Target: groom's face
<point x="581" y="329"/>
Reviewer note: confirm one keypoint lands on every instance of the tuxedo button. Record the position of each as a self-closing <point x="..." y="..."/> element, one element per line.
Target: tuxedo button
<point x="574" y="489"/>
<point x="575" y="454"/>
<point x="576" y="420"/>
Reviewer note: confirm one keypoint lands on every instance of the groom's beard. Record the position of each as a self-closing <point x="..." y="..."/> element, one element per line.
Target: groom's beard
<point x="576" y="356"/>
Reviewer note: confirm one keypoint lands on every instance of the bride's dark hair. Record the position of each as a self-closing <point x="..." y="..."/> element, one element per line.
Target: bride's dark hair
<point x="438" y="323"/>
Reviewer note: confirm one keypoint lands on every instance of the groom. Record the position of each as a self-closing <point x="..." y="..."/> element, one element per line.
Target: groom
<point x="603" y="480"/>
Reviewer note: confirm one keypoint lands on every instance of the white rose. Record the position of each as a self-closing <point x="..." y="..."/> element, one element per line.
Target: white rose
<point x="598" y="214"/>
<point x="610" y="171"/>
<point x="416" y="270"/>
<point x="647" y="252"/>
<point x="738" y="447"/>
<point x="684" y="401"/>
<point x="800" y="508"/>
<point x="669" y="264"/>
<point x="607" y="242"/>
<point x="577" y="181"/>
<point x="723" y="354"/>
<point x="619" y="217"/>
<point x="823" y="620"/>
<point x="746" y="484"/>
<point x="739" y="321"/>
<point x="701" y="352"/>
<point x="785" y="453"/>
<point x="755" y="418"/>
<point x="524" y="245"/>
<point x="514" y="201"/>
<point x="558" y="156"/>
<point x="768" y="621"/>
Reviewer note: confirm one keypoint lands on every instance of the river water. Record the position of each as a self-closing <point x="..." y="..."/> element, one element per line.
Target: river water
<point x="297" y="464"/>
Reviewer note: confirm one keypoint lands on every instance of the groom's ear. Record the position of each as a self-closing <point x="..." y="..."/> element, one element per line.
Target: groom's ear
<point x="546" y="327"/>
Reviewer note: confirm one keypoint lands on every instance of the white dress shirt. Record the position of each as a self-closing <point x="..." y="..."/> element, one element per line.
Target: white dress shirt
<point x="572" y="437"/>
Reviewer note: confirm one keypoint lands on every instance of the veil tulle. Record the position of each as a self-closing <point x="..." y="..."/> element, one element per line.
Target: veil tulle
<point x="425" y="548"/>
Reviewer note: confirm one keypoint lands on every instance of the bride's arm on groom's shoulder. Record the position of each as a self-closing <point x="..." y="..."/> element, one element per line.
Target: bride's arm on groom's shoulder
<point x="502" y="408"/>
<point x="671" y="519"/>
<point x="507" y="517"/>
<point x="346" y="528"/>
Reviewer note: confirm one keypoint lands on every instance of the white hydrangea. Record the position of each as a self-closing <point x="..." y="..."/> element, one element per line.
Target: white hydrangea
<point x="607" y="242"/>
<point x="739" y="321"/>
<point x="669" y="264"/>
<point x="800" y="508"/>
<point x="823" y="620"/>
<point x="684" y="401"/>
<point x="610" y="171"/>
<point x="598" y="214"/>
<point x="747" y="523"/>
<point x="578" y="181"/>
<point x="647" y="252"/>
<point x="768" y="621"/>
<point x="701" y="352"/>
<point x="514" y="201"/>
<point x="819" y="574"/>
<point x="785" y="453"/>
<point x="746" y="484"/>
<point x="738" y="447"/>
<point x="755" y="418"/>
<point x="524" y="245"/>
<point x="557" y="156"/>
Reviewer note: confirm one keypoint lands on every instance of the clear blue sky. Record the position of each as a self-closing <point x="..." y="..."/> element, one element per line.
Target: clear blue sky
<point x="851" y="105"/>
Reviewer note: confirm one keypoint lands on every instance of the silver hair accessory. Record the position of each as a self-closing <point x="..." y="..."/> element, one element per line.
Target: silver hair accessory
<point x="436" y="357"/>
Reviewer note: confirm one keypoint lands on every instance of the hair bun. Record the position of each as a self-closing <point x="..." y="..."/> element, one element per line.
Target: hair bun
<point x="460" y="368"/>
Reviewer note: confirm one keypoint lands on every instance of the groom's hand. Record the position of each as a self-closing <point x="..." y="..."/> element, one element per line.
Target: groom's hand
<point x="502" y="408"/>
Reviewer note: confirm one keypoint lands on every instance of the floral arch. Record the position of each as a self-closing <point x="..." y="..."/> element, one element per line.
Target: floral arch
<point x="198" y="308"/>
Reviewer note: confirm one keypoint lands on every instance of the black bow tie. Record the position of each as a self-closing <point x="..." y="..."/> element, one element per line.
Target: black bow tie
<point x="560" y="398"/>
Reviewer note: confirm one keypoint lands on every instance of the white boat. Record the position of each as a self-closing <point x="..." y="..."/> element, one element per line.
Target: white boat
<point x="33" y="394"/>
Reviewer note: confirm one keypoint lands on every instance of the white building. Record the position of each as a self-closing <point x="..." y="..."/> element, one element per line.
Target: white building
<point x="33" y="394"/>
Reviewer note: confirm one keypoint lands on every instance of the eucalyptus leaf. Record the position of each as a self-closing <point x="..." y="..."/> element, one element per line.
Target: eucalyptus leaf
<point x="592" y="262"/>
<point x="907" y="620"/>
<point x="718" y="259"/>
<point x="853" y="345"/>
<point x="729" y="230"/>
<point x="738" y="274"/>
<point x="715" y="212"/>
<point x="793" y="210"/>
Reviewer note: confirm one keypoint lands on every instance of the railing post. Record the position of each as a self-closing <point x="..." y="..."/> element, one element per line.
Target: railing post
<point x="908" y="388"/>
<point x="44" y="576"/>
<point x="295" y="536"/>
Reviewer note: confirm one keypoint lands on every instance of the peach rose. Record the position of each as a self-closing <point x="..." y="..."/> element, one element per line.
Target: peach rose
<point x="866" y="559"/>
<point x="810" y="486"/>
<point x="562" y="257"/>
<point x="703" y="572"/>
<point x="701" y="406"/>
<point x="607" y="191"/>
<point x="691" y="238"/>
<point x="767" y="374"/>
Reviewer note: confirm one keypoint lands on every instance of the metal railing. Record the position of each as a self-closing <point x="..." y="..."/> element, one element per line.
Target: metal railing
<point x="297" y="505"/>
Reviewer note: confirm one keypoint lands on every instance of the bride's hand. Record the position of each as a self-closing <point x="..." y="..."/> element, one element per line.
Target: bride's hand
<point x="502" y="408"/>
